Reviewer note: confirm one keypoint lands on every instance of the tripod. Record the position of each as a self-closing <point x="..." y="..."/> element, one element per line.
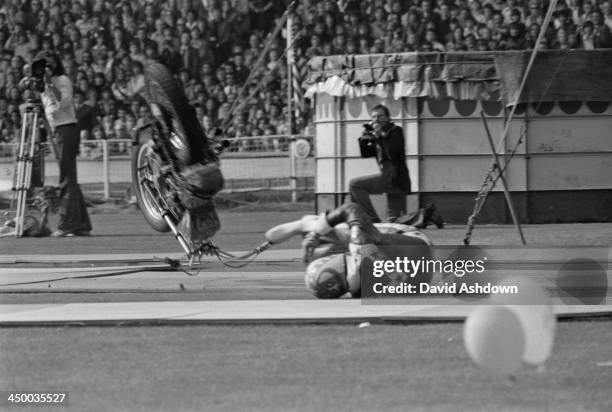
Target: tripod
<point x="29" y="142"/>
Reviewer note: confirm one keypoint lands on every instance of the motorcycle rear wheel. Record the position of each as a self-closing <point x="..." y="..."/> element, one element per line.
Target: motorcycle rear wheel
<point x="188" y="140"/>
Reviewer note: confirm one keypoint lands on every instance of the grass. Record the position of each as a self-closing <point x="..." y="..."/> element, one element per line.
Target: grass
<point x="381" y="367"/>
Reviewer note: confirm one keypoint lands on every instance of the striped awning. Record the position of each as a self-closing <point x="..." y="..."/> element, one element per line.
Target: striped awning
<point x="557" y="75"/>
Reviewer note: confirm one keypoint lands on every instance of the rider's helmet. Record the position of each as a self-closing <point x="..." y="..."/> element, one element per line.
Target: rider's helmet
<point x="326" y="277"/>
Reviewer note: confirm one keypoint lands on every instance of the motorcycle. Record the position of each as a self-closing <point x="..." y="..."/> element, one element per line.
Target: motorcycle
<point x="175" y="166"/>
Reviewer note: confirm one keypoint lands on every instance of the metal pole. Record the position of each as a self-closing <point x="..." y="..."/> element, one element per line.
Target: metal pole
<point x="22" y="172"/>
<point x="105" y="170"/>
<point x="547" y="18"/>
<point x="293" y="171"/>
<point x="497" y="166"/>
<point x="290" y="62"/>
<point x="506" y="129"/>
<point x="255" y="67"/>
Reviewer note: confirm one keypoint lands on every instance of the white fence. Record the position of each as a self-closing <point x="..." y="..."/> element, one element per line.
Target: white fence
<point x="248" y="163"/>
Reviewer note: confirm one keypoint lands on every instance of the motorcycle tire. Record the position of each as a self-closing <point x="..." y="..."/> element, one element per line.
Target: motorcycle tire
<point x="163" y="90"/>
<point x="143" y="157"/>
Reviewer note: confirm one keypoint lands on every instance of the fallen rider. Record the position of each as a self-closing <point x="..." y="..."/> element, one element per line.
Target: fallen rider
<point x="341" y="245"/>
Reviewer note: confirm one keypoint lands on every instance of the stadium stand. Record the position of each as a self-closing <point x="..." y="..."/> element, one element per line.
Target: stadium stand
<point x="210" y="45"/>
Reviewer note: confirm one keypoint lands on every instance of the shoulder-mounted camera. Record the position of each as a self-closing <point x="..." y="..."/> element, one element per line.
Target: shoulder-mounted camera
<point x="367" y="141"/>
<point x="38" y="68"/>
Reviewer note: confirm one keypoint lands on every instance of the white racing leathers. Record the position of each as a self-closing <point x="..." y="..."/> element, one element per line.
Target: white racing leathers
<point x="348" y="230"/>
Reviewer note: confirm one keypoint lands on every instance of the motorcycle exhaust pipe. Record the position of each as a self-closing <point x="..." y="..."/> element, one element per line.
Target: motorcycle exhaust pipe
<point x="177" y="235"/>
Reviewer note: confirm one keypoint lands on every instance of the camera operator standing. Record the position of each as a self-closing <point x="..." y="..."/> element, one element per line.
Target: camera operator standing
<point x="393" y="178"/>
<point x="57" y="100"/>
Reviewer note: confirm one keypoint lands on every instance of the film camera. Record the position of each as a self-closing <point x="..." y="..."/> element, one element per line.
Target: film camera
<point x="35" y="80"/>
<point x="367" y="141"/>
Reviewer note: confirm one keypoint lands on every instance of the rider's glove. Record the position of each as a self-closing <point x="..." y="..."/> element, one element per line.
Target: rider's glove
<point x="311" y="241"/>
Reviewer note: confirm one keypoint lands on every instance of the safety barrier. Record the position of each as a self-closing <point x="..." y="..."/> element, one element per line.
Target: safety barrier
<point x="275" y="162"/>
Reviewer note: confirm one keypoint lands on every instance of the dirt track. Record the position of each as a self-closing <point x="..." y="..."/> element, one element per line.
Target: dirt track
<point x="126" y="231"/>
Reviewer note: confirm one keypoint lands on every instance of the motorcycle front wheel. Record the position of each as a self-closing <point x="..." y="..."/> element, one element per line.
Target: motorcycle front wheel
<point x="147" y="185"/>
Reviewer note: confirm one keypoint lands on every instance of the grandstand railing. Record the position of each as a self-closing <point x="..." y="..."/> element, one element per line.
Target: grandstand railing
<point x="252" y="163"/>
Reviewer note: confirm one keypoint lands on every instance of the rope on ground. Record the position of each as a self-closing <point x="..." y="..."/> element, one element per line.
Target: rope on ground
<point x="120" y="272"/>
<point x="209" y="248"/>
<point x="226" y="258"/>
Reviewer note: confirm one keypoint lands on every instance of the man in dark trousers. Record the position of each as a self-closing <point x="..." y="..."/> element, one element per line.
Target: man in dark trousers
<point x="393" y="178"/>
<point x="58" y="104"/>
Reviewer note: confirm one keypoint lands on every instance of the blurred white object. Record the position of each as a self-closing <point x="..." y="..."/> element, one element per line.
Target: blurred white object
<point x="494" y="339"/>
<point x="534" y="310"/>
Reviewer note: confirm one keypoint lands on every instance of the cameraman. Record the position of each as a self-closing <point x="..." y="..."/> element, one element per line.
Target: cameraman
<point x="57" y="101"/>
<point x="393" y="178"/>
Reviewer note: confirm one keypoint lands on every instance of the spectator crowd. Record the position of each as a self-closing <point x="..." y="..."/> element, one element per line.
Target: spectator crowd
<point x="211" y="45"/>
